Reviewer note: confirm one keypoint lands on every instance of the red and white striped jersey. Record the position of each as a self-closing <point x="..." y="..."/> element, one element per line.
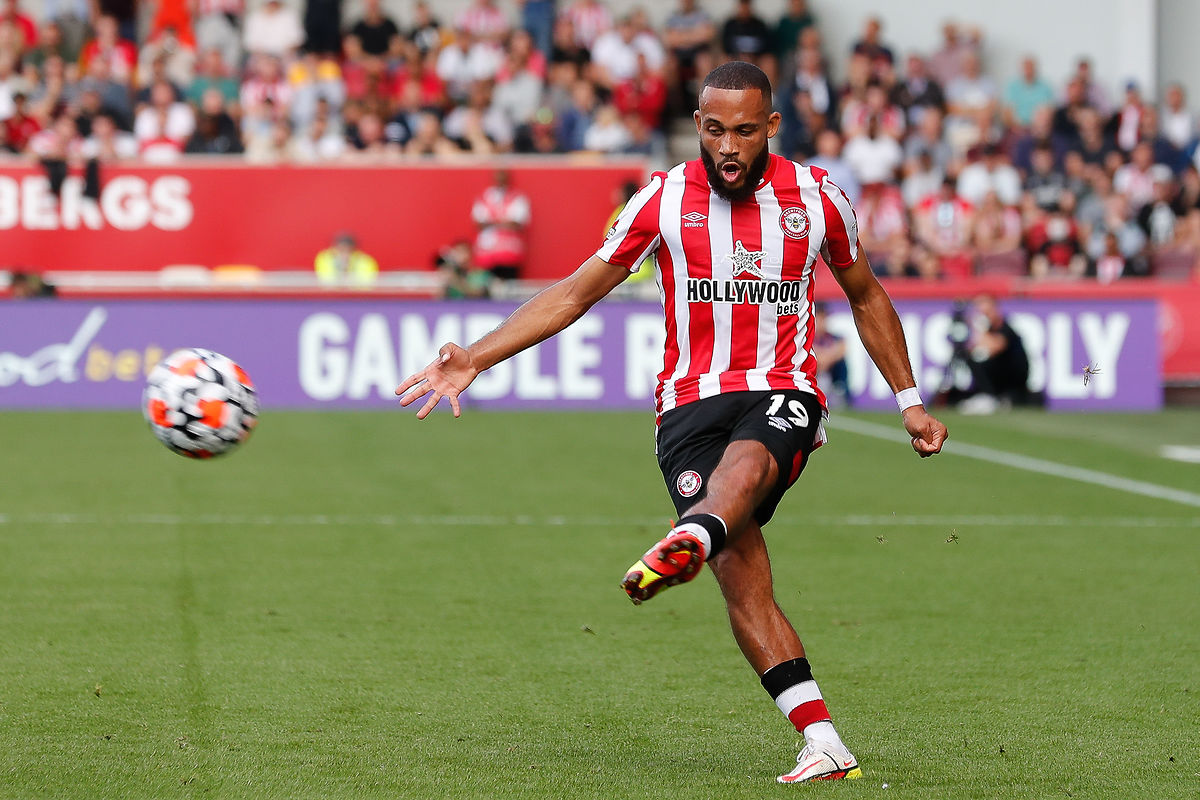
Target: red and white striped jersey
<point x="735" y="279"/>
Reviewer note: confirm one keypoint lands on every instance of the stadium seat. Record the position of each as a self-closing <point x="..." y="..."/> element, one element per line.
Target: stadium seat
<point x="1173" y="265"/>
<point x="174" y="275"/>
<point x="1013" y="263"/>
<point x="241" y="274"/>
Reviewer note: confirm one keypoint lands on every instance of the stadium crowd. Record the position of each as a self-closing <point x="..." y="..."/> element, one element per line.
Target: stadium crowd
<point x="952" y="171"/>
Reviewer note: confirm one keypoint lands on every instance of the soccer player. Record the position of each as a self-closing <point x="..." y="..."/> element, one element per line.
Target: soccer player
<point x="736" y="234"/>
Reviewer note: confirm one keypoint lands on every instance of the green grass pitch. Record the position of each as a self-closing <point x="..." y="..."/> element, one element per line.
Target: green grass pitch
<point x="363" y="605"/>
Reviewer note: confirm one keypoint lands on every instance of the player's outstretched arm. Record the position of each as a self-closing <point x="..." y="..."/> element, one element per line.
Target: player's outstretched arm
<point x="544" y="315"/>
<point x="879" y="328"/>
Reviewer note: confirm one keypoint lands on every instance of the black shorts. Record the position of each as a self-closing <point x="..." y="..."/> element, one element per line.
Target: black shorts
<point x="692" y="439"/>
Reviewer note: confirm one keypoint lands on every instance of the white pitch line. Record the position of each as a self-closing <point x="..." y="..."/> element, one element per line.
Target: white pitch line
<point x="1029" y="463"/>
<point x="521" y="520"/>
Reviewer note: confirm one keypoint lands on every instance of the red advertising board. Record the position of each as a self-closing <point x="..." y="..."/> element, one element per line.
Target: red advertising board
<point x="279" y="217"/>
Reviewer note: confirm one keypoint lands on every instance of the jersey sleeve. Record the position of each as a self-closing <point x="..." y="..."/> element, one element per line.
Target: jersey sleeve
<point x="635" y="235"/>
<point x="841" y="226"/>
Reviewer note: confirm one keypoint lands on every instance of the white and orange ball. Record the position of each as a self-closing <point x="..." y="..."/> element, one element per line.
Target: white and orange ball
<point x="199" y="403"/>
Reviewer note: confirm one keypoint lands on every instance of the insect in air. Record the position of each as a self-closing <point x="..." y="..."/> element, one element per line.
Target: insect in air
<point x="1089" y="371"/>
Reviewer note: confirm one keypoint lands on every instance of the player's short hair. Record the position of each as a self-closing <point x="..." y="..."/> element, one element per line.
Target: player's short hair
<point x="739" y="75"/>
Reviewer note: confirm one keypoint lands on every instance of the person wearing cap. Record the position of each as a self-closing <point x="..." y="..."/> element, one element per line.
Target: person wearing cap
<point x="344" y="263"/>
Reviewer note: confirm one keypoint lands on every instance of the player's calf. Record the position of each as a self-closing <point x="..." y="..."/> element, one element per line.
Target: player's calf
<point x="676" y="558"/>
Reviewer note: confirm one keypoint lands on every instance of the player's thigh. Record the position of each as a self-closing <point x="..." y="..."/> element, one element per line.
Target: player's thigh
<point x="788" y="424"/>
<point x="691" y="442"/>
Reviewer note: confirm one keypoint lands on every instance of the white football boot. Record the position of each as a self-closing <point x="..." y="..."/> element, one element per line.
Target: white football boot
<point x="821" y="761"/>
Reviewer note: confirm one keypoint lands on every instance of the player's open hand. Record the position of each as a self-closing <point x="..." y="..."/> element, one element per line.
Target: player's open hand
<point x="449" y="374"/>
<point x="928" y="433"/>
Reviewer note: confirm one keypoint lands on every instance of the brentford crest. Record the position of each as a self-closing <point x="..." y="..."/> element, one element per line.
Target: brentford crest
<point x="794" y="221"/>
<point x="688" y="483"/>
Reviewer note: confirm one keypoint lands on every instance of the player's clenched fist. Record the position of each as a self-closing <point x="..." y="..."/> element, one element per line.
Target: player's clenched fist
<point x="928" y="433"/>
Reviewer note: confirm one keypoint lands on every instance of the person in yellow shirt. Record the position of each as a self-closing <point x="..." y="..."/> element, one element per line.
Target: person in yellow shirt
<point x="344" y="263"/>
<point x="625" y="193"/>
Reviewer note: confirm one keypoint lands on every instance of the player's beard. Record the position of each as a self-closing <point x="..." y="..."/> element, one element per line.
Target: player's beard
<point x="754" y="174"/>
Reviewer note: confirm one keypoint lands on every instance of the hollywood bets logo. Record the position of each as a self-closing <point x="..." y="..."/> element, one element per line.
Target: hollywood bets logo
<point x="786" y="296"/>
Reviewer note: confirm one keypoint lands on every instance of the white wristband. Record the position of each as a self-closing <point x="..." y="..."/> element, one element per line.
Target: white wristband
<point x="907" y="398"/>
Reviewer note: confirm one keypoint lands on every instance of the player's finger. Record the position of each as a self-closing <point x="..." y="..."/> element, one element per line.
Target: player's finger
<point x="409" y="382"/>
<point x="429" y="404"/>
<point x="454" y="405"/>
<point x="414" y="394"/>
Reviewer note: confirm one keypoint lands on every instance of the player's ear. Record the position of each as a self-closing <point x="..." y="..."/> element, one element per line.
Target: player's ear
<point x="696" y="117"/>
<point x="773" y="124"/>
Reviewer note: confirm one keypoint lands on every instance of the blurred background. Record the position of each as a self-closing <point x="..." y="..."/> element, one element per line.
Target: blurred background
<point x="1025" y="179"/>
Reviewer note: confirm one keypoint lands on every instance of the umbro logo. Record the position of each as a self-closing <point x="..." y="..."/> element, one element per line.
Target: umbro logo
<point x="693" y="219"/>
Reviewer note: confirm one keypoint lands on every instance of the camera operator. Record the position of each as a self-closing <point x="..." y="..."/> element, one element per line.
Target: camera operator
<point x="987" y="347"/>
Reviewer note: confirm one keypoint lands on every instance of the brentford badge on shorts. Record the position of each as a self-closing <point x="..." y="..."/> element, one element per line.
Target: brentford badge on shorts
<point x="688" y="483"/>
<point x="794" y="221"/>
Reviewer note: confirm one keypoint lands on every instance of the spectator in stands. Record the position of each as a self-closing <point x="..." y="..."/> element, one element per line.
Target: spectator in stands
<point x="1055" y="243"/>
<point x="1135" y="180"/>
<point x="565" y="48"/>
<point x="426" y="32"/>
<point x="946" y="65"/>
<point x="119" y="55"/>
<point x="108" y="143"/>
<point x="113" y="95"/>
<point x="1178" y="123"/>
<point x="746" y="37"/>
<point x="216" y="133"/>
<point x="1026" y="93"/>
<point x="427" y="138"/>
<point x="218" y="27"/>
<point x="576" y="118"/>
<point x="794" y="21"/>
<point x="928" y="138"/>
<point x="540" y="136"/>
<point x="50" y="43"/>
<point x="1093" y="93"/>
<point x="1157" y="217"/>
<point x="318" y="143"/>
<point x="20" y="126"/>
<point x="871" y="45"/>
<point x="873" y="156"/>
<point x="70" y="20"/>
<point x="28" y="286"/>
<point x="607" y="133"/>
<point x="156" y="72"/>
<point x="537" y="17"/>
<point x="212" y="73"/>
<point x="811" y="77"/>
<point x="165" y="124"/>
<point x="918" y="93"/>
<point x="520" y="81"/>
<point x="58" y="147"/>
<point x="465" y="61"/>
<point x="1044" y="182"/>
<point x="273" y="147"/>
<point x="615" y="53"/>
<point x="10" y="14"/>
<point x="829" y="158"/>
<point x="883" y="226"/>
<point x="344" y="263"/>
<point x="265" y="96"/>
<point x="323" y="26"/>
<point x="996" y="231"/>
<point x="1121" y="223"/>
<point x="273" y="29"/>
<point x="479" y="126"/>
<point x="644" y="94"/>
<point x="971" y="94"/>
<point x="922" y="178"/>
<point x="484" y="21"/>
<point x="989" y="172"/>
<point x="1091" y="141"/>
<point x="943" y="223"/>
<point x="1127" y="121"/>
<point x="501" y="213"/>
<point x="166" y="56"/>
<point x="876" y="105"/>
<point x="311" y="80"/>
<point x="377" y="34"/>
<point x="589" y="19"/>
<point x="688" y="36"/>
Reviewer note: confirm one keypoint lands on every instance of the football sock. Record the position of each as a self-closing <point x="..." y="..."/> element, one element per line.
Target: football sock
<point x="708" y="528"/>
<point x="793" y="689"/>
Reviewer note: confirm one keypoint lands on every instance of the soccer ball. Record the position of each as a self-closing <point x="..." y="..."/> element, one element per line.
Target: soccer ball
<point x="199" y="403"/>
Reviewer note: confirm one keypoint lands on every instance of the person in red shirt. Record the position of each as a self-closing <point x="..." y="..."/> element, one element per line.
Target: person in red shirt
<point x="21" y="126"/>
<point x="943" y="223"/>
<point x="502" y="214"/>
<point x="736" y="235"/>
<point x="644" y="94"/>
<point x="120" y="54"/>
<point x="9" y="12"/>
